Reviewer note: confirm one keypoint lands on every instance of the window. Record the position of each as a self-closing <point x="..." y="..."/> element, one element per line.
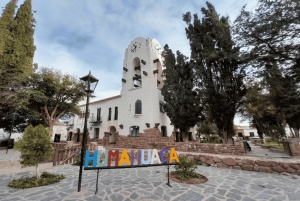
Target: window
<point x="240" y="134"/>
<point x="251" y="134"/>
<point x="138" y="107"/>
<point x="116" y="113"/>
<point x="134" y="131"/>
<point x="96" y="131"/>
<point x="78" y="135"/>
<point x="98" y="114"/>
<point x="83" y="113"/>
<point x="109" y="114"/>
<point x="69" y="136"/>
<point x="164" y="131"/>
<point x="161" y="107"/>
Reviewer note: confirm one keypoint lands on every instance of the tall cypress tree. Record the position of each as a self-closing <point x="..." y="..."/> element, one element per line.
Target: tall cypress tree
<point x="16" y="51"/>
<point x="284" y="93"/>
<point x="6" y="21"/>
<point x="182" y="101"/>
<point x="6" y="47"/>
<point x="220" y="77"/>
<point x="23" y="34"/>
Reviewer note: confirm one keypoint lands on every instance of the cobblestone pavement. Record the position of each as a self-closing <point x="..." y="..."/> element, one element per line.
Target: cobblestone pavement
<point x="11" y="155"/>
<point x="257" y="151"/>
<point x="149" y="183"/>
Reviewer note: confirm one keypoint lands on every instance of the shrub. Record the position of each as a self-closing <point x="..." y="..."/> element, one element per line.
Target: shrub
<point x="198" y="161"/>
<point x="214" y="138"/>
<point x="46" y="178"/>
<point x="186" y="169"/>
<point x="268" y="140"/>
<point x="78" y="159"/>
<point x="35" y="147"/>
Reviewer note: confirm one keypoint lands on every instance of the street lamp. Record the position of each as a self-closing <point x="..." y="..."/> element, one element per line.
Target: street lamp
<point x="12" y="116"/>
<point x="88" y="84"/>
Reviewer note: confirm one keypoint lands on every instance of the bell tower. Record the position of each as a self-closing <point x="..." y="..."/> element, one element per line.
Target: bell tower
<point x="141" y="85"/>
<point x="142" y="65"/>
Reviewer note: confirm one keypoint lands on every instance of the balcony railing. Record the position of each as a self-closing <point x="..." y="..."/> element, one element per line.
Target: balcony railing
<point x="94" y="121"/>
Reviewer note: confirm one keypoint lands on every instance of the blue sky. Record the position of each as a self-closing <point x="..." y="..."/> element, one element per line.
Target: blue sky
<point x="76" y="36"/>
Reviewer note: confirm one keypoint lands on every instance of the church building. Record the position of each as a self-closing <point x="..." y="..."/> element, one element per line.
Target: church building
<point x="140" y="103"/>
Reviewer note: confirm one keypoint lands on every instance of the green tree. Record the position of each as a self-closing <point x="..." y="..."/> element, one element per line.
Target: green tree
<point x="6" y="21"/>
<point x="270" y="38"/>
<point x="35" y="147"/>
<point x="270" y="34"/>
<point x="220" y="75"/>
<point x="284" y="94"/>
<point x="182" y="101"/>
<point x="16" y="52"/>
<point x="259" y="109"/>
<point x="208" y="128"/>
<point x="50" y="95"/>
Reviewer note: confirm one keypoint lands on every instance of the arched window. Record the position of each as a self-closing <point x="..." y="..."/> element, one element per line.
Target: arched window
<point x="138" y="107"/>
<point x="98" y="114"/>
<point x="116" y="113"/>
<point x="109" y="114"/>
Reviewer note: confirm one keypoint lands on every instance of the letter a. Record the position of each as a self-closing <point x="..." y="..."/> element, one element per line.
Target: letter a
<point x="124" y="158"/>
<point x="173" y="156"/>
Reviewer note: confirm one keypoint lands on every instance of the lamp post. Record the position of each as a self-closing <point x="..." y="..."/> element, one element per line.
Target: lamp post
<point x="89" y="84"/>
<point x="13" y="116"/>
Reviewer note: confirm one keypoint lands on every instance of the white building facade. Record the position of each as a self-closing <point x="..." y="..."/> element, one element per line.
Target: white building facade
<point x="139" y="105"/>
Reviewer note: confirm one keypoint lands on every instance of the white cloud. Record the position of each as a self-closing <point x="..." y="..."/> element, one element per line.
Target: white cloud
<point x="77" y="36"/>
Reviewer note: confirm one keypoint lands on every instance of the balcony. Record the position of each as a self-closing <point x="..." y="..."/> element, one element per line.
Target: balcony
<point x="94" y="121"/>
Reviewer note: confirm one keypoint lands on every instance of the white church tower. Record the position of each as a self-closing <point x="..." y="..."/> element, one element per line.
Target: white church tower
<point x="141" y="105"/>
<point x="138" y="107"/>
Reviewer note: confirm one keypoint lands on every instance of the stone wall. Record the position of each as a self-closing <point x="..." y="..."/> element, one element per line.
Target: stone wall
<point x="281" y="166"/>
<point x="152" y="139"/>
<point x="294" y="146"/>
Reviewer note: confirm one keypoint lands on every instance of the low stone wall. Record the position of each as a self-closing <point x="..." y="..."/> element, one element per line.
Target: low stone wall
<point x="294" y="146"/>
<point x="281" y="166"/>
<point x="152" y="139"/>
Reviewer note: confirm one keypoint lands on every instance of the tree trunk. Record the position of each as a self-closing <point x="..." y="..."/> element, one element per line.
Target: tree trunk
<point x="296" y="131"/>
<point x="184" y="135"/>
<point x="224" y="136"/>
<point x="292" y="132"/>
<point x="50" y="125"/>
<point x="37" y="171"/>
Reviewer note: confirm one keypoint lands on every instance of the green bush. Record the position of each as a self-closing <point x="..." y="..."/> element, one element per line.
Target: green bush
<point x="186" y="169"/>
<point x="46" y="178"/>
<point x="214" y="138"/>
<point x="268" y="140"/>
<point x="198" y="161"/>
<point x="78" y="159"/>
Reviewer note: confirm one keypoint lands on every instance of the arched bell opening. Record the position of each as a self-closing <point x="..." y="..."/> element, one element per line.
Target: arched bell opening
<point x="159" y="80"/>
<point x="137" y="78"/>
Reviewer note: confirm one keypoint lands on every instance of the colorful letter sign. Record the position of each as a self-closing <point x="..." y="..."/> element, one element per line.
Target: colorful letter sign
<point x="153" y="157"/>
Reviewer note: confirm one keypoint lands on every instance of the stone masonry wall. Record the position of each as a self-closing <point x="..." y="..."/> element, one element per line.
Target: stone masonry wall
<point x="152" y="139"/>
<point x="295" y="146"/>
<point x="281" y="166"/>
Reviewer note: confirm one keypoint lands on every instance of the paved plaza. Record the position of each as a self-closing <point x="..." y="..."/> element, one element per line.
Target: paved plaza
<point x="150" y="184"/>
